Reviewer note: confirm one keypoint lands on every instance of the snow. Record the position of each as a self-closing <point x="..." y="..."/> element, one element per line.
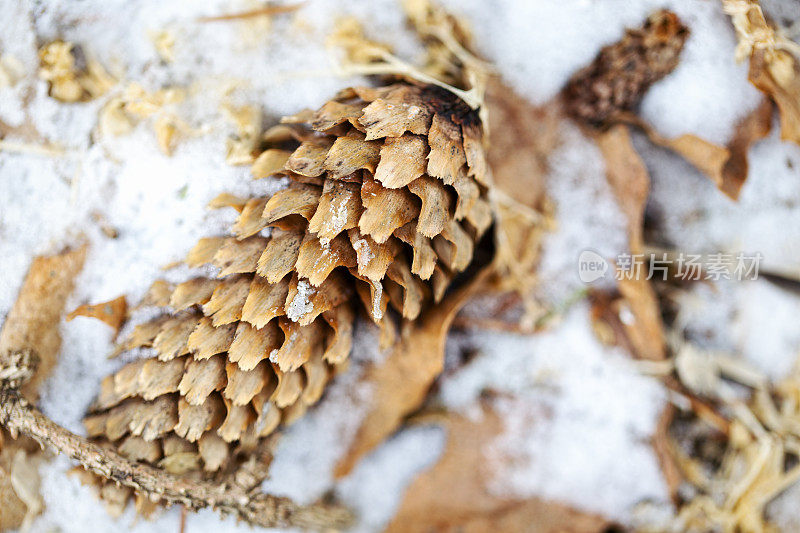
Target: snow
<point x="539" y="44"/>
<point x="577" y="179"/>
<point x="363" y="252"/>
<point x="700" y="220"/>
<point x="758" y="312"/>
<point x="572" y="407"/>
<point x="300" y="305"/>
<point x="566" y="419"/>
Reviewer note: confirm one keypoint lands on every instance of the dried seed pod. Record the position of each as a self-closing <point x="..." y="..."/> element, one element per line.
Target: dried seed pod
<point x="387" y="198"/>
<point x="621" y="73"/>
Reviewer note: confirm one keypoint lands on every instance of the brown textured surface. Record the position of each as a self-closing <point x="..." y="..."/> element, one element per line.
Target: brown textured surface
<point x="238" y="355"/>
<point x="622" y="72"/>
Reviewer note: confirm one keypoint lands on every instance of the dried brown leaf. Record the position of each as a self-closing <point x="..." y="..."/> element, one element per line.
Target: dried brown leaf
<point x="455" y="495"/>
<point x="521" y="138"/>
<point x="401" y="381"/>
<point x="630" y="182"/>
<point x="114" y="312"/>
<point x="726" y="166"/>
<point x="33" y="321"/>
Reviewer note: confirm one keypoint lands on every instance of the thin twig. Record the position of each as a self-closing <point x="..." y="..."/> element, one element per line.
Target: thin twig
<point x="264" y="510"/>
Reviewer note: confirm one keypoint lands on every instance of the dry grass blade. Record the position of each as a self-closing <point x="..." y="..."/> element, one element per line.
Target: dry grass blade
<point x="367" y="57"/>
<point x="662" y="446"/>
<point x="735" y="453"/>
<point x="266" y="11"/>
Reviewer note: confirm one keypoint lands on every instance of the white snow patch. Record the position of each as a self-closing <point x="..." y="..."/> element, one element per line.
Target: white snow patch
<point x="301" y="305"/>
<point x="364" y="254"/>
<point x="566" y="402"/>
<point x="577" y="180"/>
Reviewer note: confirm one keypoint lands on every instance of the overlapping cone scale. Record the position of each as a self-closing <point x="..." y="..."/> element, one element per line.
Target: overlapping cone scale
<point x="385" y="201"/>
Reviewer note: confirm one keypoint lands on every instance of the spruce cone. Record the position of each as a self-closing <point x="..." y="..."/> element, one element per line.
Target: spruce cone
<point x="385" y="204"/>
<point x="622" y="72"/>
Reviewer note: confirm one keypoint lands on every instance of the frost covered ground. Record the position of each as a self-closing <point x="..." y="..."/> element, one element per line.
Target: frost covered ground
<point x="591" y="449"/>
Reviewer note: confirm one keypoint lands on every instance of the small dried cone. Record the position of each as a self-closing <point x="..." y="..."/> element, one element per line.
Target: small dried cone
<point x="385" y="204"/>
<point x="621" y="73"/>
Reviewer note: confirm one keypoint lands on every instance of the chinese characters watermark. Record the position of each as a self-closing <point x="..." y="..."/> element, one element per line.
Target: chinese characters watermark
<point x="677" y="266"/>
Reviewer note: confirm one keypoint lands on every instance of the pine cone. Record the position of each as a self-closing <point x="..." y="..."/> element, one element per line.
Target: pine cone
<point x="385" y="204"/>
<point x="622" y="72"/>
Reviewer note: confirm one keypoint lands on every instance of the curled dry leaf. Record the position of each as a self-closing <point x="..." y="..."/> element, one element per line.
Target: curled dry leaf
<point x="726" y="166"/>
<point x="32" y="324"/>
<point x="630" y="182"/>
<point x="113" y="312"/>
<point x="455" y="495"/>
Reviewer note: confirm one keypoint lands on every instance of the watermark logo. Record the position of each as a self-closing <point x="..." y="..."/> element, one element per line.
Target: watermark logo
<point x="591" y="266"/>
<point x="663" y="266"/>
